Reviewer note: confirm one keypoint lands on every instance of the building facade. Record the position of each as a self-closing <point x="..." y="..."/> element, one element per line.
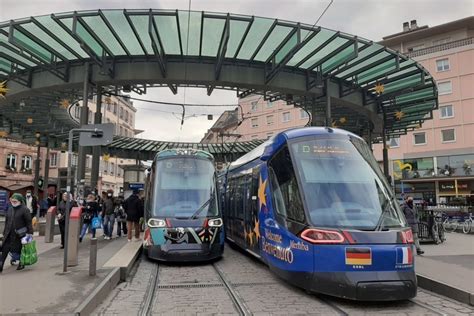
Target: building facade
<point x="436" y="162"/>
<point x="120" y="112"/>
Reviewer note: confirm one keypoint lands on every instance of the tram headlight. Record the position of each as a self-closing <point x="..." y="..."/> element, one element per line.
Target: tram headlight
<point x="156" y="223"/>
<point x="215" y="222"/>
<point x="320" y="236"/>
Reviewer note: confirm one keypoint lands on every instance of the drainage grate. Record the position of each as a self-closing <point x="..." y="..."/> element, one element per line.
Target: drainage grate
<point x="188" y="285"/>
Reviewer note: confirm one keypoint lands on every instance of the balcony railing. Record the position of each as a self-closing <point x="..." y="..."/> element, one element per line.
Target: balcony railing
<point x="441" y="47"/>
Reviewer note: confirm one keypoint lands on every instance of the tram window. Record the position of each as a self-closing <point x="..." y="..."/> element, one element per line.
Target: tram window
<point x="285" y="187"/>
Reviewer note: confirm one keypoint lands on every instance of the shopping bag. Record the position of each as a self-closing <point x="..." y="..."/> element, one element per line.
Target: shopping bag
<point x="96" y="222"/>
<point x="28" y="254"/>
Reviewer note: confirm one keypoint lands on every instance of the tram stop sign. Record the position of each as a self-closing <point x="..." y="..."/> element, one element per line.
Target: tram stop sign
<point x="103" y="136"/>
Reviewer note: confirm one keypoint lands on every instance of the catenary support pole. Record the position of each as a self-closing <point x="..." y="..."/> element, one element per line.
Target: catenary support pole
<point x="36" y="184"/>
<point x="96" y="150"/>
<point x="328" y="106"/>
<point x="81" y="162"/>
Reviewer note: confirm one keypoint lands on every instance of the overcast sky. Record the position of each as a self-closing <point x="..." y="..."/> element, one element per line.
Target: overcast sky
<point x="371" y="19"/>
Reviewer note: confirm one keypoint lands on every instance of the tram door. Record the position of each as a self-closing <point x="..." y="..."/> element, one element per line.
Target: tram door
<point x="251" y="211"/>
<point x="235" y="225"/>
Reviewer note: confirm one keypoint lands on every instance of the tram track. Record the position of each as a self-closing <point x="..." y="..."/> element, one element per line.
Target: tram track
<point x="437" y="312"/>
<point x="147" y="305"/>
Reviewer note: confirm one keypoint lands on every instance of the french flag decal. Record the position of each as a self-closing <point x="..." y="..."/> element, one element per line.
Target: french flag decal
<point x="404" y="255"/>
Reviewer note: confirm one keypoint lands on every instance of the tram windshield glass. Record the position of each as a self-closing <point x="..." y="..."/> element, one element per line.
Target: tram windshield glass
<point x="343" y="185"/>
<point x="184" y="187"/>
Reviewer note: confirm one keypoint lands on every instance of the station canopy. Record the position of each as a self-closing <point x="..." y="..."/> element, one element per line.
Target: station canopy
<point x="43" y="62"/>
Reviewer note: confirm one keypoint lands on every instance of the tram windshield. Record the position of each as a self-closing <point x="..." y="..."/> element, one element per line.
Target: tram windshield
<point x="184" y="187"/>
<point x="343" y="185"/>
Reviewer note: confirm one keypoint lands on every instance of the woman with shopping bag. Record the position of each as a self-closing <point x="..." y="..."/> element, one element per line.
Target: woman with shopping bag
<point x="17" y="226"/>
<point x="90" y="217"/>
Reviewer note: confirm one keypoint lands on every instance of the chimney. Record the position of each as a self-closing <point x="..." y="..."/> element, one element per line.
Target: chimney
<point x="406" y="27"/>
<point x="413" y="24"/>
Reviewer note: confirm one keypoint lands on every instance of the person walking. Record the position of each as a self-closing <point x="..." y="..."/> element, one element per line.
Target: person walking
<point x="134" y="209"/>
<point x="31" y="203"/>
<point x="17" y="225"/>
<point x="412" y="220"/>
<point x="61" y="210"/>
<point x="121" y="217"/>
<point x="91" y="210"/>
<point x="109" y="214"/>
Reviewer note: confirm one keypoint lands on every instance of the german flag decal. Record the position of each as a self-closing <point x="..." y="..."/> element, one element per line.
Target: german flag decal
<point x="358" y="256"/>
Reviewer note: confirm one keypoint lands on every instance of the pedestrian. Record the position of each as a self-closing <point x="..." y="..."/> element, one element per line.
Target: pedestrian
<point x="31" y="203"/>
<point x="17" y="226"/>
<point x="134" y="209"/>
<point x="43" y="207"/>
<point x="121" y="217"/>
<point x="412" y="220"/>
<point x="91" y="210"/>
<point x="62" y="215"/>
<point x="108" y="214"/>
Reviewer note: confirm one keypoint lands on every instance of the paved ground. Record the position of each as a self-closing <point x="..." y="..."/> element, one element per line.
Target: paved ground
<point x="42" y="289"/>
<point x="451" y="262"/>
<point x="196" y="290"/>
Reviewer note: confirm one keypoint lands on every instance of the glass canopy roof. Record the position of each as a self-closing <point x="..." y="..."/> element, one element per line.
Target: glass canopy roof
<point x="409" y="92"/>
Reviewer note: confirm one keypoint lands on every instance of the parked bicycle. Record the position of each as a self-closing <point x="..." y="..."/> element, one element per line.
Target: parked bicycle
<point x="467" y="225"/>
<point x="450" y="224"/>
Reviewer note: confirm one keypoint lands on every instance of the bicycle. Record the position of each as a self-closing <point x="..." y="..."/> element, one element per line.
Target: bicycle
<point x="466" y="226"/>
<point x="450" y="224"/>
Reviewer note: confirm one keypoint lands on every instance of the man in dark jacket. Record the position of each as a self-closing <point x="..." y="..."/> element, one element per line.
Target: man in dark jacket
<point x="17" y="226"/>
<point x="134" y="208"/>
<point x="412" y="220"/>
<point x="61" y="210"/>
<point x="109" y="214"/>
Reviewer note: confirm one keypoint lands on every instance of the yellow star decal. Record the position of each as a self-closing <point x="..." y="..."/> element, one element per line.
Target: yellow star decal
<point x="105" y="157"/>
<point x="379" y="88"/>
<point x="3" y="134"/>
<point x="342" y="120"/>
<point x="256" y="229"/>
<point x="64" y="103"/>
<point x="333" y="124"/>
<point x="108" y="100"/>
<point x="418" y="126"/>
<point x="250" y="235"/>
<point x="261" y="192"/>
<point x="399" y="115"/>
<point x="3" y="89"/>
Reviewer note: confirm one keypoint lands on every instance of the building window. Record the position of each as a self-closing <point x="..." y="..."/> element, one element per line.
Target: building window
<point x="448" y="135"/>
<point x="394" y="142"/>
<point x="115" y="108"/>
<point x="121" y="131"/>
<point x="442" y="41"/>
<point x="269" y="135"/>
<point x="108" y="106"/>
<point x="445" y="87"/>
<point x="77" y="111"/>
<point x="415" y="48"/>
<point x="419" y="138"/>
<point x="446" y="111"/>
<point x="74" y="159"/>
<point x="11" y="161"/>
<point x="26" y="162"/>
<point x="442" y="64"/>
<point x="53" y="159"/>
<point x="303" y="114"/>
<point x="286" y="117"/>
<point x="126" y="116"/>
<point x="269" y="104"/>
<point x="254" y="105"/>
<point x="270" y="119"/>
<point x="112" y="168"/>
<point x="254" y="122"/>
<point x="121" y="113"/>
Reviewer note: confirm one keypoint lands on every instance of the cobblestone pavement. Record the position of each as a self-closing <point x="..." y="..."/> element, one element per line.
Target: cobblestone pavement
<point x="198" y="290"/>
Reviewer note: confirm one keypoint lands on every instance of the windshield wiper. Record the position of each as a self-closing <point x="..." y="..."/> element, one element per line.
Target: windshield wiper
<point x="384" y="211"/>
<point x="195" y="215"/>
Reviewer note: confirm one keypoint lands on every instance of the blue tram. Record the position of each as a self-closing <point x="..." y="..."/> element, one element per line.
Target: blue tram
<point x="183" y="219"/>
<point x="313" y="204"/>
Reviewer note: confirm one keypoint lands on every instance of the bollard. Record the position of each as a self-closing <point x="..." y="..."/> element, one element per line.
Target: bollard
<point x="73" y="236"/>
<point x="50" y="222"/>
<point x="93" y="257"/>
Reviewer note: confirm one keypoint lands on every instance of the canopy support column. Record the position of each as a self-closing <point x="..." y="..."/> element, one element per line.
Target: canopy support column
<point x="385" y="149"/>
<point x="46" y="170"/>
<point x="96" y="150"/>
<point x="37" y="172"/>
<point x="81" y="161"/>
<point x="328" y="105"/>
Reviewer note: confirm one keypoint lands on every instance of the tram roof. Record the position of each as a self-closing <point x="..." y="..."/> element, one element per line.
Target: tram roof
<point x="42" y="61"/>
